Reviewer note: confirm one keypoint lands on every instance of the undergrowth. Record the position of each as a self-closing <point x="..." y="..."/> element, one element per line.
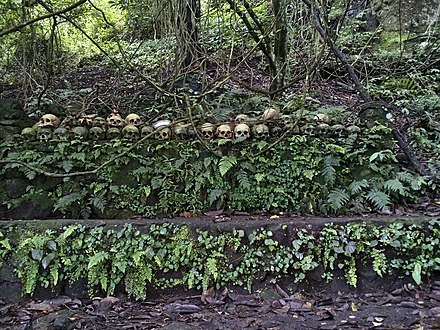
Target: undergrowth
<point x="352" y="173"/>
<point x="169" y="255"/>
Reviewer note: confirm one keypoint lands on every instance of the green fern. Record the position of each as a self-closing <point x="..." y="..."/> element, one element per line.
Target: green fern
<point x="405" y="177"/>
<point x="337" y="198"/>
<point x="226" y="163"/>
<point x="357" y="186"/>
<point x="396" y="186"/>
<point x="243" y="180"/>
<point x="328" y="170"/>
<point x="99" y="201"/>
<point x="64" y="203"/>
<point x="378" y="198"/>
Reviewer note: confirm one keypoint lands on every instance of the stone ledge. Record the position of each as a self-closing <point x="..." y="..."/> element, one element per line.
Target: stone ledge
<point x="282" y="228"/>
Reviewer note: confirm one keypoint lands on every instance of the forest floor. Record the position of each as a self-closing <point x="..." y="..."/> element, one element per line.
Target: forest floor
<point x="270" y="307"/>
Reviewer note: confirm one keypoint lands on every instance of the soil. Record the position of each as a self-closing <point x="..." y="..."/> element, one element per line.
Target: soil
<point x="270" y="307"/>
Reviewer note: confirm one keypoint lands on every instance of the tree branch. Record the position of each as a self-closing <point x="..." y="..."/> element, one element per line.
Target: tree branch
<point x="40" y="18"/>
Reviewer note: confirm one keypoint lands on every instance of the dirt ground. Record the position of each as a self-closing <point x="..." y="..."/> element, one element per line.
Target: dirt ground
<point x="271" y="308"/>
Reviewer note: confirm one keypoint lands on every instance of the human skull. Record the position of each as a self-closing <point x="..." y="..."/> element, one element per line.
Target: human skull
<point x="261" y="131"/>
<point x="270" y="114"/>
<point x="321" y="118"/>
<point x="308" y="129"/>
<point x="133" y="119"/>
<point x="115" y="120"/>
<point x="130" y="132"/>
<point x="338" y="130"/>
<point x="113" y="133"/>
<point x="49" y="120"/>
<point x="29" y="133"/>
<point x="242" y="118"/>
<point x="207" y="130"/>
<point x="225" y="132"/>
<point x="96" y="133"/>
<point x="242" y="132"/>
<point x="353" y="129"/>
<point x="100" y="122"/>
<point x="79" y="133"/>
<point x="180" y="131"/>
<point x="287" y="120"/>
<point x="44" y="134"/>
<point x="323" y="128"/>
<point x="163" y="133"/>
<point x="86" y="120"/>
<point x="61" y="134"/>
<point x="147" y="130"/>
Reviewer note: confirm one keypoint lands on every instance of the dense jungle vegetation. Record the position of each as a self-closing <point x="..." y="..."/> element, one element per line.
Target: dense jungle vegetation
<point x="348" y="89"/>
<point x="279" y="107"/>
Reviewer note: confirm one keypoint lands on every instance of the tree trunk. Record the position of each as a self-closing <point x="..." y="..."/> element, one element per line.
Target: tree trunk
<point x="187" y="17"/>
<point x="280" y="46"/>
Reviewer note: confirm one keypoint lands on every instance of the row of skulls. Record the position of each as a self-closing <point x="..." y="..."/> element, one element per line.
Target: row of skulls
<point x="132" y="127"/>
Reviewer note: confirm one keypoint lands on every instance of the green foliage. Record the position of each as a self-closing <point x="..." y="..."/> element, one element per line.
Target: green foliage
<point x="168" y="254"/>
<point x="318" y="175"/>
<point x="5" y="247"/>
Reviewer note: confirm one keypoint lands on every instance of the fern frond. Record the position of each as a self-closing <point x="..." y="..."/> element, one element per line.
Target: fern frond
<point x="328" y="169"/>
<point x="65" y="202"/>
<point x="396" y="186"/>
<point x="226" y="163"/>
<point x="243" y="181"/>
<point x="405" y="177"/>
<point x="357" y="186"/>
<point x="337" y="198"/>
<point x="378" y="198"/>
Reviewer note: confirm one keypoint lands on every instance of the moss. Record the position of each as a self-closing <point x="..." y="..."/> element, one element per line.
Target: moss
<point x="390" y="40"/>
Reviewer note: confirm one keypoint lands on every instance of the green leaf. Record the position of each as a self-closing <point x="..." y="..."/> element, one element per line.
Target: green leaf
<point x="30" y="175"/>
<point x="243" y="180"/>
<point x="52" y="245"/>
<point x="262" y="144"/>
<point x="69" y="231"/>
<point x="309" y="174"/>
<point x="146" y="190"/>
<point x="226" y="163"/>
<point x="207" y="161"/>
<point x="214" y="195"/>
<point x="259" y="177"/>
<point x="417" y="273"/>
<point x="37" y="254"/>
<point x="328" y="170"/>
<point x="357" y="186"/>
<point x="67" y="165"/>
<point x="63" y="203"/>
<point x="47" y="259"/>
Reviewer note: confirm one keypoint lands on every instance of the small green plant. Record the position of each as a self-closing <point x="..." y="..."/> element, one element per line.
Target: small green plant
<point x="200" y="259"/>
